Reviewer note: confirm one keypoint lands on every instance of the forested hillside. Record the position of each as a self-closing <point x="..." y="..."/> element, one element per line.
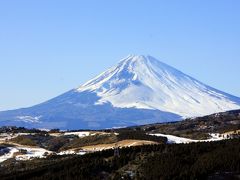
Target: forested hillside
<point x="166" y="161"/>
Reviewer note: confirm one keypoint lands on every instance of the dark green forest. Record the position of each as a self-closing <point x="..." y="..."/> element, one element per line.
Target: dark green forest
<point x="209" y="160"/>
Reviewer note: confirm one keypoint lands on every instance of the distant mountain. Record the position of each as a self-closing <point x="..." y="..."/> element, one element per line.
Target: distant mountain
<point x="138" y="90"/>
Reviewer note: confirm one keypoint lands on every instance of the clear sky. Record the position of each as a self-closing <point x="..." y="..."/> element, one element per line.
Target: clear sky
<point x="48" y="47"/>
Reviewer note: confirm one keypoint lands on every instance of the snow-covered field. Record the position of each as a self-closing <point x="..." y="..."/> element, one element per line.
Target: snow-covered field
<point x="178" y="140"/>
<point x="8" y="136"/>
<point x="15" y="152"/>
<point x="35" y="152"/>
<point x="67" y="152"/>
<point x="79" y="134"/>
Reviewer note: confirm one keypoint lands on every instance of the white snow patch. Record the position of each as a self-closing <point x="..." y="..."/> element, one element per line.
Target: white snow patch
<point x="79" y="134"/>
<point x="69" y="152"/>
<point x="31" y="153"/>
<point x="29" y="119"/>
<point x="8" y="136"/>
<point x="9" y="154"/>
<point x="181" y="140"/>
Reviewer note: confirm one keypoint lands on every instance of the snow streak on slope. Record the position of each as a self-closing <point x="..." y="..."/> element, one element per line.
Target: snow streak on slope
<point x="145" y="83"/>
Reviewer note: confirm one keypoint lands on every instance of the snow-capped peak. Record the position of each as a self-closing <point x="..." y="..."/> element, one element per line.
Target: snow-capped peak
<point x="144" y="82"/>
<point x="133" y="68"/>
<point x="138" y="90"/>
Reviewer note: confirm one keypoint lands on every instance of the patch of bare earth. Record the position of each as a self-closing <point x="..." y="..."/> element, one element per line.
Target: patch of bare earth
<point x="123" y="143"/>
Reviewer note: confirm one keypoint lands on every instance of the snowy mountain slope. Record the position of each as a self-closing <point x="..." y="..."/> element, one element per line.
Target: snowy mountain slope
<point x="144" y="82"/>
<point x="74" y="110"/>
<point x="138" y="90"/>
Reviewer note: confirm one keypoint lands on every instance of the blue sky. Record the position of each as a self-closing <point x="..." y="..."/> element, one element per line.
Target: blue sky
<point x="49" y="47"/>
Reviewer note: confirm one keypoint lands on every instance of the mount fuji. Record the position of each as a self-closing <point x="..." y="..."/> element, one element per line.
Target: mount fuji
<point x="138" y="90"/>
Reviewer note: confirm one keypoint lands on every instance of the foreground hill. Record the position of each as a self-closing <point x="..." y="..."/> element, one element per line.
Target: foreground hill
<point x="212" y="160"/>
<point x="225" y="124"/>
<point x="138" y="90"/>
